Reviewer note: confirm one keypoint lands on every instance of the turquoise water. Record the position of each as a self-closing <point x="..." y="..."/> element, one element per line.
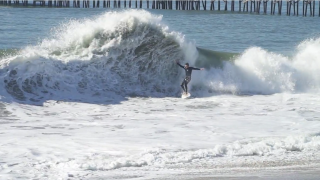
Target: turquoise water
<point x="228" y="32"/>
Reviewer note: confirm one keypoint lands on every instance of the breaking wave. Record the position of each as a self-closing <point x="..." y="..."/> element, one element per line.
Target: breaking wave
<point x="132" y="53"/>
<point x="124" y="53"/>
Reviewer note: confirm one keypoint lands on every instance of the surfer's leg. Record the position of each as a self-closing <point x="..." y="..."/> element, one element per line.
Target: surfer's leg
<point x="186" y="87"/>
<point x="186" y="82"/>
<point x="182" y="85"/>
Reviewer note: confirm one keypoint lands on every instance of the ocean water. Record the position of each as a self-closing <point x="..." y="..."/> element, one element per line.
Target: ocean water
<point x="95" y="94"/>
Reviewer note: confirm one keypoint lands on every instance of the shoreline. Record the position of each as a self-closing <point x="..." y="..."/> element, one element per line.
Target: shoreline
<point x="289" y="173"/>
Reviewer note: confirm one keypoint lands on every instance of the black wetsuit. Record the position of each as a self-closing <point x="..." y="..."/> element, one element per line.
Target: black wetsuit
<point x="187" y="79"/>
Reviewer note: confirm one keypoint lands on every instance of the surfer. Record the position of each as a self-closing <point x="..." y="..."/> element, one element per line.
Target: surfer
<point x="187" y="79"/>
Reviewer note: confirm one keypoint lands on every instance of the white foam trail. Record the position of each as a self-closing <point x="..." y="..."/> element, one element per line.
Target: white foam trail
<point x="164" y="158"/>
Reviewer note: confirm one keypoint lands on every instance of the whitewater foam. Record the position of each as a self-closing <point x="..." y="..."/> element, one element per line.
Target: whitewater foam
<point x="258" y="71"/>
<point x="165" y="135"/>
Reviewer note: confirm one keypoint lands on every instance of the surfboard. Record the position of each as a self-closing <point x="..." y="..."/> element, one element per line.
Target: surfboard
<point x="184" y="95"/>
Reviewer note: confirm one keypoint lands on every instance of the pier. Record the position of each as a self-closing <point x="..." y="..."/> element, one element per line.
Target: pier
<point x="271" y="7"/>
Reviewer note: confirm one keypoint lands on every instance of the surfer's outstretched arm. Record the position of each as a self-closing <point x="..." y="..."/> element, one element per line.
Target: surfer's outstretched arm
<point x="197" y="68"/>
<point x="179" y="64"/>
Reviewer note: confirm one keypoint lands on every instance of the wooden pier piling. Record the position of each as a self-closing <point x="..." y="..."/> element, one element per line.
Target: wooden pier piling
<point x="265" y="6"/>
<point x="212" y="5"/>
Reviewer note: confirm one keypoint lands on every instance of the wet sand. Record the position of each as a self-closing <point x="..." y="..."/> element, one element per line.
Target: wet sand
<point x="312" y="173"/>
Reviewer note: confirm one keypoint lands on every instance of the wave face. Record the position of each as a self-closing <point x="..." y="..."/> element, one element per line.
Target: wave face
<point x="125" y="53"/>
<point x="132" y="53"/>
